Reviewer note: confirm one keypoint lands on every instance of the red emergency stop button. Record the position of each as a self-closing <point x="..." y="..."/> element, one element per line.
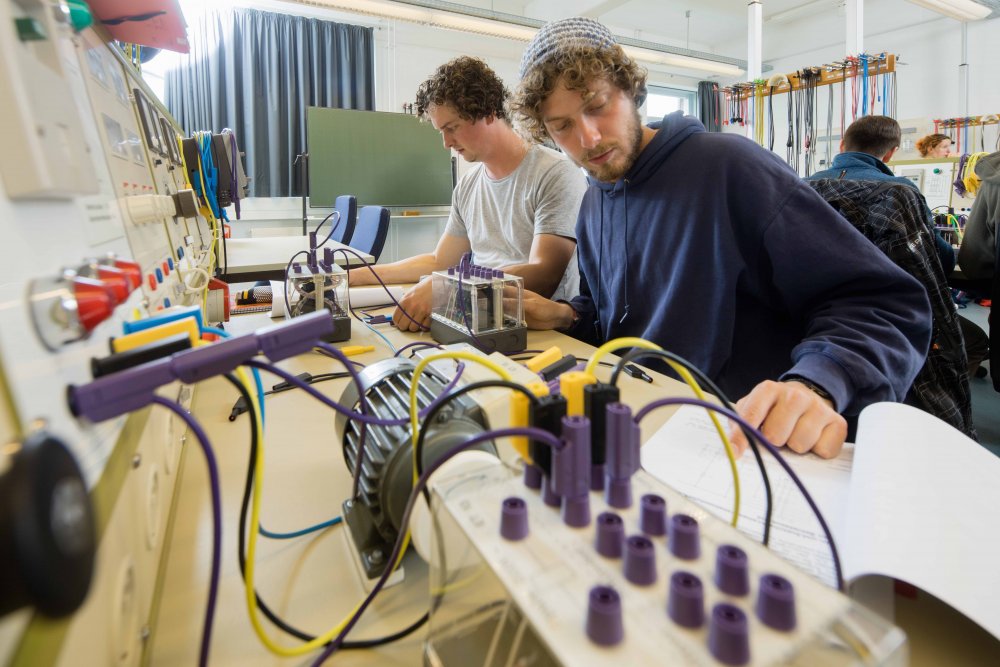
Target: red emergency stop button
<point x="117" y="280"/>
<point x="132" y="270"/>
<point x="94" y="302"/>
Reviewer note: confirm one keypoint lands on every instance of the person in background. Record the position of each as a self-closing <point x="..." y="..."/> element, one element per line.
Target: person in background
<point x="977" y="256"/>
<point x="868" y="144"/>
<point x="934" y="146"/>
<point x="801" y="315"/>
<point x="515" y="210"/>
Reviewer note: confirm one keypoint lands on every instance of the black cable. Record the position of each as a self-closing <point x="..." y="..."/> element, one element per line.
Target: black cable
<point x="244" y="508"/>
<point x="241" y="404"/>
<point x="429" y="417"/>
<point x="706" y="382"/>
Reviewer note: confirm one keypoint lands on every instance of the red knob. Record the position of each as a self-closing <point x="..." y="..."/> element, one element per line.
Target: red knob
<point x="94" y="301"/>
<point x="117" y="280"/>
<point x="166" y="269"/>
<point x="132" y="270"/>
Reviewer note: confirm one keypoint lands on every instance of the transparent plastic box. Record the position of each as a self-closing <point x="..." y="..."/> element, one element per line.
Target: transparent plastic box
<point x="478" y="305"/>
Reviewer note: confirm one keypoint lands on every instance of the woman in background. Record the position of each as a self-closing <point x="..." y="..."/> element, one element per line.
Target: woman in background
<point x="934" y="145"/>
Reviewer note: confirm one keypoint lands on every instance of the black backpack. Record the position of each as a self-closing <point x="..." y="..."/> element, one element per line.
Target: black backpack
<point x="892" y="216"/>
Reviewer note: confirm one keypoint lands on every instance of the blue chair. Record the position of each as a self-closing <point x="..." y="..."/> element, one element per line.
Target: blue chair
<point x="347" y="206"/>
<point x="372" y="230"/>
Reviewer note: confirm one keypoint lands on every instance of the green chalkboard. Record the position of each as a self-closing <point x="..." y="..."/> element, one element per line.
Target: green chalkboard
<point x="387" y="159"/>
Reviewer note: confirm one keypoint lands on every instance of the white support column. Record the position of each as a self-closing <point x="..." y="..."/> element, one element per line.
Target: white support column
<point x="963" y="72"/>
<point x="855" y="26"/>
<point x="755" y="23"/>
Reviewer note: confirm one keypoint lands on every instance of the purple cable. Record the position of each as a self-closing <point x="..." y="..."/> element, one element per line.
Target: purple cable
<point x="288" y="268"/>
<point x="465" y="317"/>
<point x="659" y="403"/>
<point x="352" y="251"/>
<point x="529" y="432"/>
<point x="213" y="478"/>
<point x="333" y="228"/>
<point x="347" y="412"/>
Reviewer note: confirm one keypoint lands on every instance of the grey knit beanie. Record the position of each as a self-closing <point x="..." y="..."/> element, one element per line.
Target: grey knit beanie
<point x="561" y="34"/>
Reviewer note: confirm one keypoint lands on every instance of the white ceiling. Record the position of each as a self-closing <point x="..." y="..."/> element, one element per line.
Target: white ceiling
<point x="720" y="26"/>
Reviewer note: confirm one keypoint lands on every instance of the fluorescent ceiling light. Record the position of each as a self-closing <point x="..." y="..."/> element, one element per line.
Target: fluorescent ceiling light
<point x="675" y="60"/>
<point x="960" y="10"/>
<point x="474" y="24"/>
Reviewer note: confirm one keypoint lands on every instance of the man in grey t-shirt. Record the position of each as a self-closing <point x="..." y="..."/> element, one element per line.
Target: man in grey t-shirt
<point x="515" y="210"/>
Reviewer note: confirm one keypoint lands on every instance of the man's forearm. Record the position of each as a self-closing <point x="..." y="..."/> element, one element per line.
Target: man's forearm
<point x="537" y="277"/>
<point x="404" y="271"/>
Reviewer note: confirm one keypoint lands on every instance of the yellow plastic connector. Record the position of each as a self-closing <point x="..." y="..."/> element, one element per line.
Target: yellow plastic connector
<point x="546" y="358"/>
<point x="519" y="415"/>
<point x="133" y="340"/>
<point x="571" y="386"/>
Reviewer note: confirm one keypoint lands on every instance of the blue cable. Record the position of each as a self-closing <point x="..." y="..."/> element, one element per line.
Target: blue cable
<point x="256" y="373"/>
<point x="204" y="140"/>
<point x="379" y="334"/>
<point x="298" y="533"/>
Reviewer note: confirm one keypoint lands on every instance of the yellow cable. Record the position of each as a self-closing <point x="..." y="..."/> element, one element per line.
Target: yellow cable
<point x="619" y="343"/>
<point x="251" y="599"/>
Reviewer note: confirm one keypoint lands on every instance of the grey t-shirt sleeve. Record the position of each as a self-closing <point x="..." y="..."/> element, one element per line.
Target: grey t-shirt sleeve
<point x="559" y="196"/>
<point x="456" y="224"/>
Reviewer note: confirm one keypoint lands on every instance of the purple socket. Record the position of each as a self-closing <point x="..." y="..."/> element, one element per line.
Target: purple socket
<point x="549" y="496"/>
<point x="312" y="240"/>
<point x="684" y="538"/>
<point x="686" y="600"/>
<point x="621" y="456"/>
<point x="732" y="570"/>
<point x="451" y="270"/>
<point x="296" y="267"/>
<point x="328" y="255"/>
<point x="604" y="616"/>
<point x="571" y="470"/>
<point x="513" y="519"/>
<point x="776" y="602"/>
<point x="653" y="515"/>
<point x="597" y="477"/>
<point x="640" y="560"/>
<point x="610" y="538"/>
<point x="729" y="635"/>
<point x="532" y="476"/>
<point x="576" y="511"/>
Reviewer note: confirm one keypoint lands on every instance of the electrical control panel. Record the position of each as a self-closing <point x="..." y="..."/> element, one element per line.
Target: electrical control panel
<point x="659" y="581"/>
<point x="92" y="239"/>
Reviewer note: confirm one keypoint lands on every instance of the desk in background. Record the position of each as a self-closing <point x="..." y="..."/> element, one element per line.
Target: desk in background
<point x="266" y="258"/>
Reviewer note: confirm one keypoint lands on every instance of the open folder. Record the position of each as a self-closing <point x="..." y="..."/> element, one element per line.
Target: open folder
<point x="913" y="499"/>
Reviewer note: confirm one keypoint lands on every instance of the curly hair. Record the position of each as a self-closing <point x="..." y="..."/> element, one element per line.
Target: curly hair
<point x="467" y="84"/>
<point x="926" y="144"/>
<point x="575" y="67"/>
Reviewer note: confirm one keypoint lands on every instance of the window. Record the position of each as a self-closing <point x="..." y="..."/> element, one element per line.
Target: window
<point x="660" y="101"/>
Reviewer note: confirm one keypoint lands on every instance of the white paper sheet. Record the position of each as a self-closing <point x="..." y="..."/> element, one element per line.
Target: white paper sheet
<point x="925" y="508"/>
<point x="687" y="454"/>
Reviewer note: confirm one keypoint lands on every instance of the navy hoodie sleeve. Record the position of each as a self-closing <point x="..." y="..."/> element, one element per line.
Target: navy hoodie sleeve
<point x="868" y="323"/>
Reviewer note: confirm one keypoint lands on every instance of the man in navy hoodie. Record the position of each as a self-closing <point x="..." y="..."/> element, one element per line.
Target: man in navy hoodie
<point x="711" y="247"/>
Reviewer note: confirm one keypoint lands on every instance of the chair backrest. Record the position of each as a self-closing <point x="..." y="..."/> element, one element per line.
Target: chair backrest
<point x="347" y="206"/>
<point x="372" y="230"/>
<point x="892" y="216"/>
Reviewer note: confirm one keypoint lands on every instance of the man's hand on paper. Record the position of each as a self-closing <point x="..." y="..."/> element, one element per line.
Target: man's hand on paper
<point x="790" y="414"/>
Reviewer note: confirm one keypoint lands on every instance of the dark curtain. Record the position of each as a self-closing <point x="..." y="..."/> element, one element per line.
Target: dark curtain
<point x="708" y="106"/>
<point x="256" y="72"/>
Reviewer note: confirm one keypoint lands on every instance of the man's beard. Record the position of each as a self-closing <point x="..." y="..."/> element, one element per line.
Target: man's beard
<point x="612" y="171"/>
